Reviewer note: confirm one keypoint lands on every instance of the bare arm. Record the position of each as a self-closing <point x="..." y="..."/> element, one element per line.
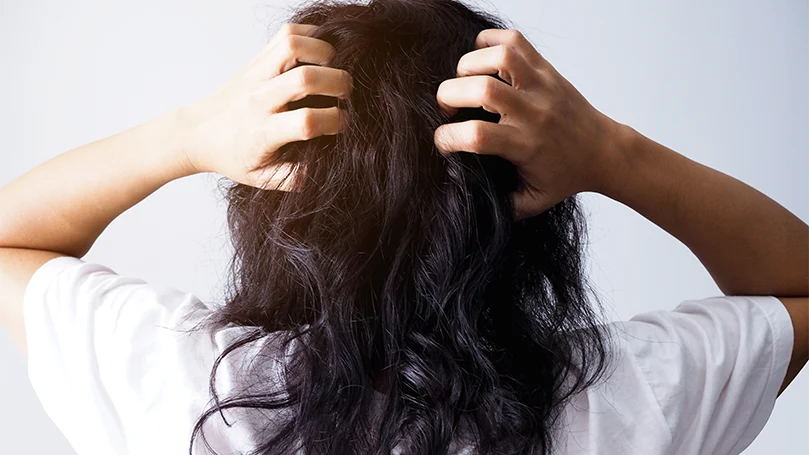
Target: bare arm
<point x="61" y="207"/>
<point x="749" y="244"/>
<point x="64" y="204"/>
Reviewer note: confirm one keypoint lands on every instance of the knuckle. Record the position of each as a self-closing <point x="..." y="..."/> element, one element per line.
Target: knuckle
<point x="286" y="29"/>
<point x="308" y="123"/>
<point x="514" y="37"/>
<point x="349" y="80"/>
<point x="506" y="56"/>
<point x="290" y="44"/>
<point x="488" y="88"/>
<point x="477" y="135"/>
<point x="306" y="76"/>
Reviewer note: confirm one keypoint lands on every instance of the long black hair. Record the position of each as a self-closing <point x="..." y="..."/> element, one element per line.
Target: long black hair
<point x="395" y="262"/>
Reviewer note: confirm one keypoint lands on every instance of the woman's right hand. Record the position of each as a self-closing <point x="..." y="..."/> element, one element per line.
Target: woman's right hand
<point x="234" y="131"/>
<point x="560" y="143"/>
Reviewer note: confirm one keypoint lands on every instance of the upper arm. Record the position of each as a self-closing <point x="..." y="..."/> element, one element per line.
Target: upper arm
<point x="16" y="268"/>
<point x="715" y="367"/>
<point x="108" y="356"/>
<point x="798" y="309"/>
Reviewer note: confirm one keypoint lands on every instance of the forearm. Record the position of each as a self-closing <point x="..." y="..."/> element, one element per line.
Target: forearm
<point x="64" y="204"/>
<point x="749" y="244"/>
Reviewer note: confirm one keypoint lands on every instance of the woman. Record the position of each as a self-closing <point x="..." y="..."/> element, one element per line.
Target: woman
<point x="387" y="291"/>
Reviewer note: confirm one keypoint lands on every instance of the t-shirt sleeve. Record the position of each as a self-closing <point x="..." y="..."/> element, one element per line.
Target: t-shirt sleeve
<point x="715" y="367"/>
<point x="102" y="360"/>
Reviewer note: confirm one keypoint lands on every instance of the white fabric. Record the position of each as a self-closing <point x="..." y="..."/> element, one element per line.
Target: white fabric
<point x="700" y="379"/>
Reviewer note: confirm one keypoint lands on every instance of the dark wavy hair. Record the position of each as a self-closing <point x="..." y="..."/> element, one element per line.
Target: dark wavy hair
<point x="395" y="263"/>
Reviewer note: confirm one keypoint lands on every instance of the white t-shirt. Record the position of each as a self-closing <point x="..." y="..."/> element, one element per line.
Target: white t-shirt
<point x="700" y="379"/>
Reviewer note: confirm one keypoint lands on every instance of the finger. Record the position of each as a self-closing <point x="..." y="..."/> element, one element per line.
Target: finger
<point x="301" y="81"/>
<point x="291" y="50"/>
<point x="478" y="91"/>
<point x="279" y="177"/>
<point x="494" y="36"/>
<point x="286" y="29"/>
<point x="302" y="124"/>
<point x="531" y="201"/>
<point x="291" y="28"/>
<point x="520" y="201"/>
<point x="503" y="60"/>
<point x="478" y="136"/>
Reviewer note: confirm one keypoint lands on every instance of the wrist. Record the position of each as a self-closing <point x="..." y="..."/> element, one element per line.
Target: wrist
<point x="618" y="157"/>
<point x="159" y="147"/>
<point x="187" y="121"/>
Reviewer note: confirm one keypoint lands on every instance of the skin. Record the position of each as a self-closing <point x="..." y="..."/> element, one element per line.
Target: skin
<point x="560" y="143"/>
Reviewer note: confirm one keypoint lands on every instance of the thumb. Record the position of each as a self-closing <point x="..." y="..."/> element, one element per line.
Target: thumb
<point x="278" y="177"/>
<point x="529" y="203"/>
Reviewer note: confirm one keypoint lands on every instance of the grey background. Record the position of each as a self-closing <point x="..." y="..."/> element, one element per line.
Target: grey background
<point x="725" y="83"/>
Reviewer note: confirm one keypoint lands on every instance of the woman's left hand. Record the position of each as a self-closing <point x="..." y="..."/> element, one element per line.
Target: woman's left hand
<point x="233" y="130"/>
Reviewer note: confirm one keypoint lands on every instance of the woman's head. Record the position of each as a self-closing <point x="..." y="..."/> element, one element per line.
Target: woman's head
<point x="392" y="260"/>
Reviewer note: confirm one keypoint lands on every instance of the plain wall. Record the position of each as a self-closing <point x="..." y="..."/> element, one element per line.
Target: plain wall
<point x="725" y="83"/>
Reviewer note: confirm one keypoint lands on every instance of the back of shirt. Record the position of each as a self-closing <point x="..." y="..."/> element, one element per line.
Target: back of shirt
<point x="115" y="375"/>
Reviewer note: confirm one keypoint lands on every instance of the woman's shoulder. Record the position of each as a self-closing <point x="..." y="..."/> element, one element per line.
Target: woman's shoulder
<point x="701" y="378"/>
